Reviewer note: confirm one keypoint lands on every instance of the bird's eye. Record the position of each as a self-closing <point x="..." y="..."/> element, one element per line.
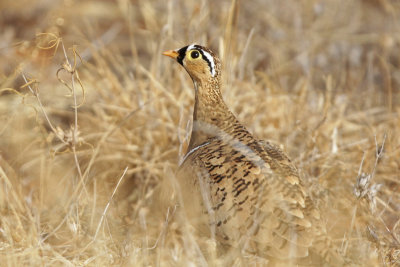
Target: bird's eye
<point x="194" y="54"/>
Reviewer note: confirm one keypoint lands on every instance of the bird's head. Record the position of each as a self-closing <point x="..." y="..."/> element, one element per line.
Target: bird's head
<point x="200" y="62"/>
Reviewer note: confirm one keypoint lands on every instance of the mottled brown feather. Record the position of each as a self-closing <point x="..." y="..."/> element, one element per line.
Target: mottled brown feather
<point x="245" y="192"/>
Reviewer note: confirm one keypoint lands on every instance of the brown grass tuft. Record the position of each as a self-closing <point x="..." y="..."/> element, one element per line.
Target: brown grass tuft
<point x="94" y="119"/>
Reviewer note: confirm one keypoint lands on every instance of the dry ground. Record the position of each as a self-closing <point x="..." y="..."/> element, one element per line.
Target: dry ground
<point x="85" y="143"/>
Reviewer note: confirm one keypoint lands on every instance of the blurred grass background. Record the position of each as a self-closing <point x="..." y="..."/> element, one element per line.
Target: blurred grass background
<point x="320" y="77"/>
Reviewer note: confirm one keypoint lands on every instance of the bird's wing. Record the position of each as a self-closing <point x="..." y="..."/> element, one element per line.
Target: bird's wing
<point x="253" y="197"/>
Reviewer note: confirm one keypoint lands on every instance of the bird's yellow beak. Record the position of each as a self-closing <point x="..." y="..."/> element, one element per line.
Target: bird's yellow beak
<point x="171" y="53"/>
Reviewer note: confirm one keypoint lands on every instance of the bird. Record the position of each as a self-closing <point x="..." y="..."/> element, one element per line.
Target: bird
<point x="244" y="192"/>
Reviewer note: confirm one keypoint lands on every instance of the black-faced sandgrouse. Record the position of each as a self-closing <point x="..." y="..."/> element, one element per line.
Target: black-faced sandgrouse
<point x="243" y="191"/>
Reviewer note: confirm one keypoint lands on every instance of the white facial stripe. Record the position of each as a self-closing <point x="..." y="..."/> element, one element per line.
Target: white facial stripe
<point x="207" y="55"/>
<point x="190" y="47"/>
<point x="211" y="60"/>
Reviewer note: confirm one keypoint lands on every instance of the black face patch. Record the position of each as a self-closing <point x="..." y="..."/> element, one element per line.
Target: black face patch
<point x="182" y="53"/>
<point x="206" y="55"/>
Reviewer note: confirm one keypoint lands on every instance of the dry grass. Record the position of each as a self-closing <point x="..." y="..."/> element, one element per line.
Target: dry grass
<point x="80" y="166"/>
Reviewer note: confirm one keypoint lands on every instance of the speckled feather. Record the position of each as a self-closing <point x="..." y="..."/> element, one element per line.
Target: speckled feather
<point x="245" y="192"/>
<point x="256" y="197"/>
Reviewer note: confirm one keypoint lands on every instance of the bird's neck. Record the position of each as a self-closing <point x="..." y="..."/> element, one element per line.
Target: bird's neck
<point x="211" y="116"/>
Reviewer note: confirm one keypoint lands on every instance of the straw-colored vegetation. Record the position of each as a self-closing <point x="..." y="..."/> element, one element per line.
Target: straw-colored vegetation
<point x="93" y="120"/>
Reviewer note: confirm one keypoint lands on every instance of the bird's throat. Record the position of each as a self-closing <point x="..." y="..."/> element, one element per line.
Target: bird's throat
<point x="211" y="116"/>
